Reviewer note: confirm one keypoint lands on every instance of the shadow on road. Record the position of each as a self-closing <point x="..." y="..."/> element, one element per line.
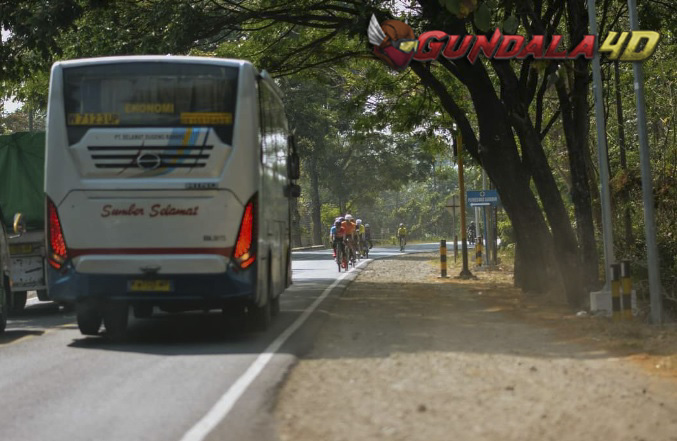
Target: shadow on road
<point x="199" y="333"/>
<point x="39" y="316"/>
<point x="11" y="336"/>
<point x="375" y="319"/>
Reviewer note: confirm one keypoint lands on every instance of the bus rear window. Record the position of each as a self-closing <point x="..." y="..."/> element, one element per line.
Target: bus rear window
<point x="147" y="94"/>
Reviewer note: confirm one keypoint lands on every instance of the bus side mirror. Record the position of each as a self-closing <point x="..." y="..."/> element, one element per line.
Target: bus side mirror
<point x="292" y="191"/>
<point x="19" y="224"/>
<point x="294" y="166"/>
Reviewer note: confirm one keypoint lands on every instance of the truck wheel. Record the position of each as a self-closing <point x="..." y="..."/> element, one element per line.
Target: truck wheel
<point x="42" y="295"/>
<point x="19" y="302"/>
<point x="4" y="302"/>
<point x="3" y="309"/>
<point x="115" y="319"/>
<point x="3" y="317"/>
<point x="89" y="320"/>
<point x="143" y="311"/>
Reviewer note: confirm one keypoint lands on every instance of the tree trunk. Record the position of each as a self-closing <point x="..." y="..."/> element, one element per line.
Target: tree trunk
<point x="532" y="151"/>
<point x="562" y="237"/>
<point x="550" y="258"/>
<point x="536" y="269"/>
<point x="579" y="149"/>
<point x="315" y="203"/>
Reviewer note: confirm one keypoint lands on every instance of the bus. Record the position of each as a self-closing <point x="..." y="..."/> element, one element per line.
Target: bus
<point x="168" y="184"/>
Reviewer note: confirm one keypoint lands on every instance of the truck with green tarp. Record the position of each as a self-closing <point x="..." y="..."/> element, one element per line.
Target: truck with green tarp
<point x="22" y="163"/>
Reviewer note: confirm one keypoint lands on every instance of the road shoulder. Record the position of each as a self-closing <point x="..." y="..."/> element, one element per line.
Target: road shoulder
<point x="404" y="355"/>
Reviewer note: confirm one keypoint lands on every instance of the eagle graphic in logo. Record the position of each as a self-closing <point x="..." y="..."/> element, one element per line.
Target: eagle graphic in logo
<point x="394" y="42"/>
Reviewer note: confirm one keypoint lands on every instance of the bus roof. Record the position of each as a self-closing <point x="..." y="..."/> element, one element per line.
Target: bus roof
<point x="152" y="58"/>
<point x="170" y="59"/>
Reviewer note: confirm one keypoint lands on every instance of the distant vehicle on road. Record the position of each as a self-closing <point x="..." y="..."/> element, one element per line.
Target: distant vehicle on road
<point x="5" y="267"/>
<point x="168" y="184"/>
<point x="22" y="164"/>
<point x="4" y="277"/>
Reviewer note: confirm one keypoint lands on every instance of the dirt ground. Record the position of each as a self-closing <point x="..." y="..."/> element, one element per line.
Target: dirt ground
<point x="404" y="355"/>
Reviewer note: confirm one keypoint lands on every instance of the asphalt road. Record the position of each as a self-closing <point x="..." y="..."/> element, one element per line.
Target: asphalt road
<point x="177" y="376"/>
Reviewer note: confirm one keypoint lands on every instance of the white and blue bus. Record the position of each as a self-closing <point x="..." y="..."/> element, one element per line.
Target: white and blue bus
<point x="168" y="182"/>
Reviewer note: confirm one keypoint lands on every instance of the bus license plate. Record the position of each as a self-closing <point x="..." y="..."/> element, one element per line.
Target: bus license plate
<point x="25" y="248"/>
<point x="150" y="285"/>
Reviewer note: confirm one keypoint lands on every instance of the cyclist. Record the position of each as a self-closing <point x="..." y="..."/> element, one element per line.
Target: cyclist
<point x="332" y="235"/>
<point x="472" y="231"/>
<point x="349" y="228"/>
<point x="360" y="236"/>
<point x="337" y="241"/>
<point x="367" y="236"/>
<point x="402" y="235"/>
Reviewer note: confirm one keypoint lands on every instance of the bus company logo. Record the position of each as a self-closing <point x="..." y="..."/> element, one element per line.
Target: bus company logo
<point x="396" y="44"/>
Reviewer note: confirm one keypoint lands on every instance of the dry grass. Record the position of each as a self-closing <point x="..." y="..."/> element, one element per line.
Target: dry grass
<point x="653" y="347"/>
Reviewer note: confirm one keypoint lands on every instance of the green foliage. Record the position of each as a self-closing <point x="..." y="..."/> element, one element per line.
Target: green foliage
<point x="482" y="18"/>
<point x="379" y="139"/>
<point x="329" y="214"/>
<point x="510" y="25"/>
<point x="22" y="121"/>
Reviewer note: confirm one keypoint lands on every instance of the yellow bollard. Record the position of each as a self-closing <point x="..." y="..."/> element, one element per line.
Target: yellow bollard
<point x="478" y="251"/>
<point x="615" y="291"/>
<point x="443" y="259"/>
<point x="626" y="288"/>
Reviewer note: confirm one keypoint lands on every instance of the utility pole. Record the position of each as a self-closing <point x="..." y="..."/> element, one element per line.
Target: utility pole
<point x="451" y="206"/>
<point x="605" y="197"/>
<point x="487" y="241"/>
<point x="647" y="185"/>
<point x="465" y="272"/>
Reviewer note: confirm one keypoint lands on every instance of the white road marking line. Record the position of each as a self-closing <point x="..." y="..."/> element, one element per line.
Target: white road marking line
<point x="227" y="401"/>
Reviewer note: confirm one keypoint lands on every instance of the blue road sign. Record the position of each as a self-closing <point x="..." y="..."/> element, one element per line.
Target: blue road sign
<point x="482" y="198"/>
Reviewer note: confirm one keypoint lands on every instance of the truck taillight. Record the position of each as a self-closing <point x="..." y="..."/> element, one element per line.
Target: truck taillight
<point x="58" y="253"/>
<point x="245" y="247"/>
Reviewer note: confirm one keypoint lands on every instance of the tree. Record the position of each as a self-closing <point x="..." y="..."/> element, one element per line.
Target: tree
<point x="22" y="120"/>
<point x="505" y="110"/>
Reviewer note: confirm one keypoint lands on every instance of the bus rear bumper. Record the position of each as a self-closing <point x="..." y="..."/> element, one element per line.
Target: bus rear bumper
<point x="200" y="290"/>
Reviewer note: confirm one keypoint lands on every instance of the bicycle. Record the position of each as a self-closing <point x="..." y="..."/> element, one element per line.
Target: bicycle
<point x="352" y="255"/>
<point x="403" y="242"/>
<point x="341" y="257"/>
<point x="471" y="237"/>
<point x="359" y="251"/>
<point x="365" y="248"/>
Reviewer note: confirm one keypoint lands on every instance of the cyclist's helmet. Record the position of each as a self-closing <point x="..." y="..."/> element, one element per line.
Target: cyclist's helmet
<point x="341" y="219"/>
<point x="366" y="225"/>
<point x="401" y="225"/>
<point x="359" y="221"/>
<point x="349" y="217"/>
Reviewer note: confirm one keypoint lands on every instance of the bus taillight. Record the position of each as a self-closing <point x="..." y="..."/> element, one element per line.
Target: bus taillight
<point x="58" y="253"/>
<point x="245" y="247"/>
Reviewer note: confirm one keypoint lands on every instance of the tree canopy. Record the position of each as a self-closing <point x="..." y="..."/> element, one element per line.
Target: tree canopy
<point x="365" y="130"/>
